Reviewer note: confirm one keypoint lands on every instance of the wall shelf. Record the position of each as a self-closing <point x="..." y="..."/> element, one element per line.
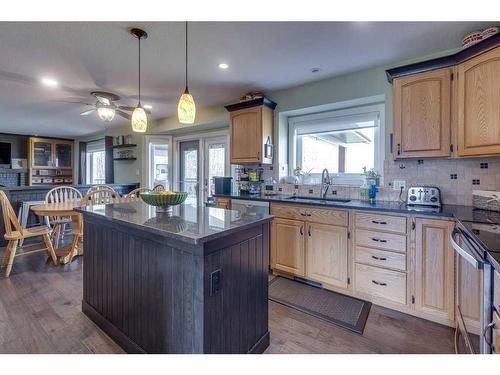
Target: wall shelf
<point x="128" y="145"/>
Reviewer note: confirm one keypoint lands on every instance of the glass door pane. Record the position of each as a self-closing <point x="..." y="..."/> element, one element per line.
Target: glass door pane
<point x="63" y="155"/>
<point x="159" y="165"/>
<point x="215" y="163"/>
<point x="42" y="154"/>
<point x="189" y="170"/>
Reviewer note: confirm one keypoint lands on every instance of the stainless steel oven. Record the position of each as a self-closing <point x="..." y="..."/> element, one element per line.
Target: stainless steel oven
<point x="473" y="296"/>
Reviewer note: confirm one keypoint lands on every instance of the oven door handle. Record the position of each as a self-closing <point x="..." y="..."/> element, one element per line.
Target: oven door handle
<point x="469" y="256"/>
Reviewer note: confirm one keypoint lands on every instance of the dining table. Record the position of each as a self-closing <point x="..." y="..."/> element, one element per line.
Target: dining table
<point x="66" y="253"/>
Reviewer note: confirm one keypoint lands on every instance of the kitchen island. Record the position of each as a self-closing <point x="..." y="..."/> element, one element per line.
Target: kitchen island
<point x="192" y="281"/>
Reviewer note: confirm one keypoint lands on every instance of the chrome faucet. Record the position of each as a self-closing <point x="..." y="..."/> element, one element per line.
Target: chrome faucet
<point x="326" y="181"/>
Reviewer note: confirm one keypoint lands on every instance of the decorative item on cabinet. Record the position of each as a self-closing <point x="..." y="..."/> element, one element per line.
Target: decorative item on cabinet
<point x="251" y="131"/>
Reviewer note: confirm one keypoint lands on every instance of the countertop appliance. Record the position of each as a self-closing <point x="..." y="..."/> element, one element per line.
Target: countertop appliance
<point x="424" y="196"/>
<point x="474" y="278"/>
<point x="222" y="185"/>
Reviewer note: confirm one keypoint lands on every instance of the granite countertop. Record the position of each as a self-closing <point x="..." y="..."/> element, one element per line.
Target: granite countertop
<point x="44" y="187"/>
<point x="187" y="223"/>
<point x="447" y="210"/>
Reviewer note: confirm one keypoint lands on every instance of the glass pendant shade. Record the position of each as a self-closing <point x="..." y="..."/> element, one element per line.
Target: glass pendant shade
<point x="139" y="120"/>
<point x="105" y="113"/>
<point x="186" y="110"/>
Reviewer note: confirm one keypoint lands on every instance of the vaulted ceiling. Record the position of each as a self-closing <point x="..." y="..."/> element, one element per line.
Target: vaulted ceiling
<point x="86" y="56"/>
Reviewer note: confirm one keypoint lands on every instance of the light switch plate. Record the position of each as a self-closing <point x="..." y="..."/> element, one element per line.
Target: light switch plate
<point x="398" y="184"/>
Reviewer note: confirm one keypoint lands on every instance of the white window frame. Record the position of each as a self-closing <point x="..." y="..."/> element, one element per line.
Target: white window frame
<point x="379" y="139"/>
<point x="90" y="160"/>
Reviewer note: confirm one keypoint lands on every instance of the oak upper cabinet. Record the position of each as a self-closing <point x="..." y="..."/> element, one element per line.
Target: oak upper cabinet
<point x="288" y="246"/>
<point x="434" y="270"/>
<point x="479" y="105"/>
<point x="251" y="131"/>
<point x="327" y="254"/>
<point x="422" y="109"/>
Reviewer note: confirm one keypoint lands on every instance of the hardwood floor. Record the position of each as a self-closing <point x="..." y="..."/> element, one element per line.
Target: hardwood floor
<point x="40" y="313"/>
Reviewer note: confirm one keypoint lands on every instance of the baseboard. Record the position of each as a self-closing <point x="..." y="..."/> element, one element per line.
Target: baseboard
<point x="261" y="345"/>
<point x="110" y="329"/>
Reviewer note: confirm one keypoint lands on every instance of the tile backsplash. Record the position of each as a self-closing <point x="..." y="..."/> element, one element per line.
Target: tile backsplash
<point x="456" y="179"/>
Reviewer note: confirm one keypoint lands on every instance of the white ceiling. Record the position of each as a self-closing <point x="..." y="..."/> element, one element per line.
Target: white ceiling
<point x="86" y="56"/>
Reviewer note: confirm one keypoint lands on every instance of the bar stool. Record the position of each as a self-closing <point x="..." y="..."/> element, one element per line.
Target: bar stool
<point x="24" y="212"/>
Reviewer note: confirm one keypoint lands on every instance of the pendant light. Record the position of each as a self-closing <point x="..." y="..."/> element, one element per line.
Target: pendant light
<point x="186" y="110"/>
<point x="139" y="118"/>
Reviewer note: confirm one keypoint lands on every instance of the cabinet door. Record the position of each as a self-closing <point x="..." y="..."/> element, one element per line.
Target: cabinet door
<point x="327" y="254"/>
<point x="479" y="105"/>
<point x="287" y="244"/>
<point x="434" y="269"/>
<point x="42" y="152"/>
<point x="64" y="155"/>
<point x="246" y="135"/>
<point x="422" y="105"/>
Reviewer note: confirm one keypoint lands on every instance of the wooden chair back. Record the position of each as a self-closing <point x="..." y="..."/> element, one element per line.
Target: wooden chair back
<point x="100" y="196"/>
<point x="11" y="223"/>
<point x="100" y="187"/>
<point x="134" y="194"/>
<point x="159" y="188"/>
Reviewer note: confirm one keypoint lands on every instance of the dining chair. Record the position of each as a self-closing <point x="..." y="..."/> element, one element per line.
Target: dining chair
<point x="159" y="188"/>
<point x="14" y="232"/>
<point x="100" y="187"/>
<point x="134" y="194"/>
<point x="100" y="196"/>
<point x="61" y="194"/>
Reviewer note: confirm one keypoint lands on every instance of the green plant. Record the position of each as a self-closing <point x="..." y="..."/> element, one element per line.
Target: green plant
<point x="298" y="172"/>
<point x="371" y="173"/>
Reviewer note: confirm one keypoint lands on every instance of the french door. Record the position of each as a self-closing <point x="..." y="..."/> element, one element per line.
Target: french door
<point x="159" y="165"/>
<point x="198" y="159"/>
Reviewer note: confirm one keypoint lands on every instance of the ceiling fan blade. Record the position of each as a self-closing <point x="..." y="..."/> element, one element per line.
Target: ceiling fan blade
<point x="123" y="114"/>
<point x="74" y="102"/>
<point x="86" y="113"/>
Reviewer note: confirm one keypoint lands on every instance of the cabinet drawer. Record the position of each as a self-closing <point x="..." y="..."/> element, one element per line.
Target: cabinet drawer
<point x="380" y="258"/>
<point x="396" y="224"/>
<point x="379" y="282"/>
<point x="380" y="240"/>
<point x="496" y="290"/>
<point x="310" y="213"/>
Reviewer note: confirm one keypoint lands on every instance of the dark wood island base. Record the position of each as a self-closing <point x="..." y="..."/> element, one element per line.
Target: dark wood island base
<point x="201" y="287"/>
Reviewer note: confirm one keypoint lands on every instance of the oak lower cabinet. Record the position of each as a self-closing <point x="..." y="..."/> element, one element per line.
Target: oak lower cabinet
<point x="224" y="203"/>
<point x="326" y="249"/>
<point x="422" y="107"/>
<point x="288" y="246"/>
<point x="434" y="270"/>
<point x="478" y="105"/>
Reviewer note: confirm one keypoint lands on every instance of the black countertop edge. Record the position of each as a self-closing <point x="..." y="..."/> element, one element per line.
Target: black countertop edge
<point x="449" y="211"/>
<point x="45" y="187"/>
<point x="182" y="236"/>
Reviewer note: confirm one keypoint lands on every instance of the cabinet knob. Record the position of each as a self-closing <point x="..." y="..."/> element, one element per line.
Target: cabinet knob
<point x="399" y="149"/>
<point x="309" y="231"/>
<point x="258" y="155"/>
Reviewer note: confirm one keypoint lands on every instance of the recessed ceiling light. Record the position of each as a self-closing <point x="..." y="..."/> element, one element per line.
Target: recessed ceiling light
<point x="223" y="66"/>
<point x="50" y="82"/>
<point x="147" y="106"/>
<point x="315" y="70"/>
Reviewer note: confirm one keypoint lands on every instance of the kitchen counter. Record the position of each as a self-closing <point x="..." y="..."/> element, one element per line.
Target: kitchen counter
<point x="482" y="225"/>
<point x="186" y="223"/>
<point x="191" y="281"/>
<point x="447" y="210"/>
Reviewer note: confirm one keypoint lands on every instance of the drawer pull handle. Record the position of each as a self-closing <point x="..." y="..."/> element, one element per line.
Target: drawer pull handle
<point x="309" y="231"/>
<point x="379" y="222"/>
<point x="378" y="258"/>
<point x="303" y="214"/>
<point x="308" y="214"/>
<point x="378" y="240"/>
<point x="301" y="230"/>
<point x="379" y="283"/>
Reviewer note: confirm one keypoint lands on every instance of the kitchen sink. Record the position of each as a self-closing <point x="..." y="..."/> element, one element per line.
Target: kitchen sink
<point x="333" y="200"/>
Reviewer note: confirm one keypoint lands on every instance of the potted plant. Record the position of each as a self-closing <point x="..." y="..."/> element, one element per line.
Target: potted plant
<point x="304" y="177"/>
<point x="372" y="176"/>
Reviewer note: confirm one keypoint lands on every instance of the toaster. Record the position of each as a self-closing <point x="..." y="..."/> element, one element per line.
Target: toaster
<point x="424" y="196"/>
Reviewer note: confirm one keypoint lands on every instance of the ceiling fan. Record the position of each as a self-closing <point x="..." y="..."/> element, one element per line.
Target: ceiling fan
<point x="106" y="107"/>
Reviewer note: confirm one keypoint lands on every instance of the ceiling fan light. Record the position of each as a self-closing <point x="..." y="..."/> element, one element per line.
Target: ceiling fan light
<point x="139" y="120"/>
<point x="186" y="110"/>
<point x="105" y="113"/>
